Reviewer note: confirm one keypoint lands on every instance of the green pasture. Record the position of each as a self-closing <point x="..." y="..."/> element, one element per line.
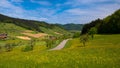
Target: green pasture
<point x="101" y="52"/>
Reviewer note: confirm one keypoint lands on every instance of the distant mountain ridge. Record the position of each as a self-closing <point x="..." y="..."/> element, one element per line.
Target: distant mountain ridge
<point x="108" y="25"/>
<point x="71" y="26"/>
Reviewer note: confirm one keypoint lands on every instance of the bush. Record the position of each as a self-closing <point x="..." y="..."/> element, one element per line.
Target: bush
<point x="49" y="43"/>
<point x="29" y="47"/>
<point x="8" y="47"/>
<point x="0" y="48"/>
<point x="76" y="35"/>
<point x="13" y="42"/>
<point x="84" y="39"/>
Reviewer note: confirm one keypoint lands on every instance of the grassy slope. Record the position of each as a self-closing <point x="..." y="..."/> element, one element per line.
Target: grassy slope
<point x="11" y="29"/>
<point x="17" y="25"/>
<point x="52" y="31"/>
<point x="101" y="52"/>
<point x="48" y="31"/>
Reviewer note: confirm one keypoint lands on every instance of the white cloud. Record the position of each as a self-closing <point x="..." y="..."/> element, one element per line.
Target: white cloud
<point x="75" y="14"/>
<point x="58" y="5"/>
<point x="79" y="15"/>
<point x="91" y="1"/>
<point x="16" y="1"/>
<point x="43" y="19"/>
<point x="36" y="18"/>
<point x="10" y="8"/>
<point x="76" y="3"/>
<point x="7" y="8"/>
<point x="76" y="11"/>
<point x="98" y="10"/>
<point x="45" y="3"/>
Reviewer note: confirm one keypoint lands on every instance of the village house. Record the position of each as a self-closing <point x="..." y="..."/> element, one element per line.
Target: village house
<point x="3" y="36"/>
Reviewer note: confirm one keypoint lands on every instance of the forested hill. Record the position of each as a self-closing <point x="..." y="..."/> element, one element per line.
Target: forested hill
<point x="71" y="26"/>
<point x="28" y="24"/>
<point x="108" y="25"/>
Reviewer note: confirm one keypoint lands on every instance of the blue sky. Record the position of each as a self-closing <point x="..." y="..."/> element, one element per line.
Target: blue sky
<point x="59" y="11"/>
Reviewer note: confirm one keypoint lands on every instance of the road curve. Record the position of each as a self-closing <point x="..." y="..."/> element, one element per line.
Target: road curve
<point x="60" y="46"/>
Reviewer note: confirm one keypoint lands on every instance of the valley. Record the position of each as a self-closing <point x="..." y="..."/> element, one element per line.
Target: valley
<point x="59" y="34"/>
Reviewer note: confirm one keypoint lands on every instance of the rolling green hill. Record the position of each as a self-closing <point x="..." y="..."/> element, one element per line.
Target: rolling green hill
<point x="108" y="25"/>
<point x="22" y="31"/>
<point x="17" y="25"/>
<point x="11" y="29"/>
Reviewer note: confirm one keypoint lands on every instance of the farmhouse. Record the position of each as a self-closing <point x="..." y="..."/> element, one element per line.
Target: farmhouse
<point x="3" y="36"/>
<point x="52" y="37"/>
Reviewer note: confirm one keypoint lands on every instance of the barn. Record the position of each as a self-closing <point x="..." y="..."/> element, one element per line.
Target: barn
<point x="3" y="36"/>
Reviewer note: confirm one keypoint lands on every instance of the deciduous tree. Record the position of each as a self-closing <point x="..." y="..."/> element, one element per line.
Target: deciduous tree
<point x="84" y="39"/>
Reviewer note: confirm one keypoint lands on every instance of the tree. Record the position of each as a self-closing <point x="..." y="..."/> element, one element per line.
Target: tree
<point x="49" y="42"/>
<point x="88" y="26"/>
<point x="84" y="39"/>
<point x="92" y="31"/>
<point x="112" y="22"/>
<point x="32" y="43"/>
<point x="76" y="35"/>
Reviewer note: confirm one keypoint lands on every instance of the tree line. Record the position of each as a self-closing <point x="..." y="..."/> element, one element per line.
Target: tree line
<point x="108" y="25"/>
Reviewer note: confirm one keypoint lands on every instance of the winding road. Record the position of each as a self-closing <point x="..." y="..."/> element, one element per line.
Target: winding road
<point x="60" y="46"/>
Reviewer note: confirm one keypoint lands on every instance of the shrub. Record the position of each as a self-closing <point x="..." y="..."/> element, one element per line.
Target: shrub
<point x="8" y="47"/>
<point x="0" y="48"/>
<point x="84" y="39"/>
<point x="29" y="47"/>
<point x="49" y="42"/>
<point x="76" y="35"/>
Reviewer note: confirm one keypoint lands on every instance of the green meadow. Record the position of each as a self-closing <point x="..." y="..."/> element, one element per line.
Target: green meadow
<point x="101" y="52"/>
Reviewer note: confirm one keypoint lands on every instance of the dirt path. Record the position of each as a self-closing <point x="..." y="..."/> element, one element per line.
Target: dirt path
<point x="23" y="37"/>
<point x="60" y="46"/>
<point x="38" y="35"/>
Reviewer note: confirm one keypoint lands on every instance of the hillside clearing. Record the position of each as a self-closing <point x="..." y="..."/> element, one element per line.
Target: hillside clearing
<point x="38" y="35"/>
<point x="23" y="37"/>
<point x="58" y="33"/>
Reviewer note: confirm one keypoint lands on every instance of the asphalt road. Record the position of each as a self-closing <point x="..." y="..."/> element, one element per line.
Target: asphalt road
<point x="60" y="46"/>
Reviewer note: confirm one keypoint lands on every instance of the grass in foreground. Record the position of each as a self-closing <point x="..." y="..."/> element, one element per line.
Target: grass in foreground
<point x="101" y="52"/>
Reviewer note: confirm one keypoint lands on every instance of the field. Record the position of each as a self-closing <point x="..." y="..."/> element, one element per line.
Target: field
<point x="101" y="52"/>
